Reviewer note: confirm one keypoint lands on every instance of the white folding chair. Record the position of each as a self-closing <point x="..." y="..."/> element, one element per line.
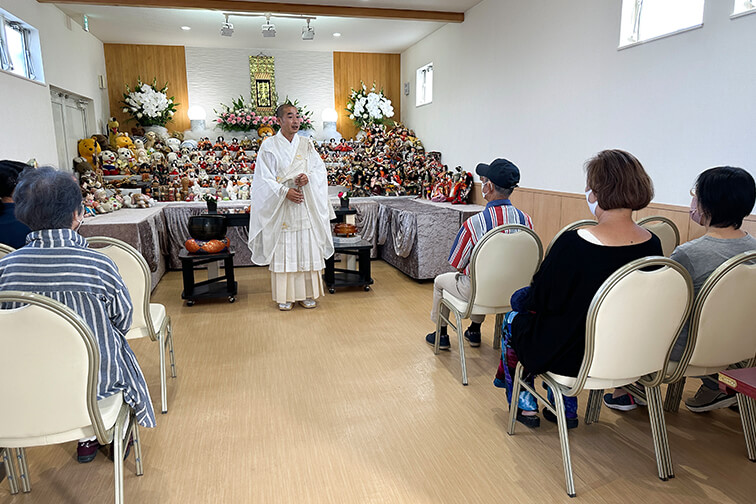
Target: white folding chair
<point x="53" y="366"/>
<point x="5" y="250"/>
<point x="721" y="334"/>
<point x="503" y="261"/>
<point x="150" y="319"/>
<point x="570" y="227"/>
<point x="665" y="229"/>
<point x="632" y="324"/>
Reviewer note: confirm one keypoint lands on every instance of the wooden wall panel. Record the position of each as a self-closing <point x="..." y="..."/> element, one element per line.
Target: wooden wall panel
<point x="126" y="62"/>
<point x="351" y="68"/>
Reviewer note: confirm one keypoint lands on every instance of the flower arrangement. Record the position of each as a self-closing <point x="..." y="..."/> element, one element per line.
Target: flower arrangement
<point x="345" y="194"/>
<point x="240" y="116"/>
<point x="368" y="108"/>
<point x="147" y="105"/>
<point x="210" y="197"/>
<point x="305" y="114"/>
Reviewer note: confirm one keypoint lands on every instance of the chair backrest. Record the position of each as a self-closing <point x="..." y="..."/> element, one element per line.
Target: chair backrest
<point x="503" y="261"/>
<point x="633" y="321"/>
<point x="136" y="275"/>
<point x="5" y="250"/>
<point x="721" y="326"/>
<point x="570" y="227"/>
<point x="665" y="229"/>
<point x="50" y="370"/>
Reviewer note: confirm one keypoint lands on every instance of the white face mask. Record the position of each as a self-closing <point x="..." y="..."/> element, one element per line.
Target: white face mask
<point x="483" y="189"/>
<point x="591" y="206"/>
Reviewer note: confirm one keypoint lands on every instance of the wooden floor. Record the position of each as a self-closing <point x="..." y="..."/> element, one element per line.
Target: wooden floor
<point x="347" y="404"/>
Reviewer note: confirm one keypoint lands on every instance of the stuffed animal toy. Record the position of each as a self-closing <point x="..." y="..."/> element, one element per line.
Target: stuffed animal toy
<point x="265" y="132"/>
<point x="109" y="159"/>
<point x="151" y="139"/>
<point x="102" y="141"/>
<point x="137" y="131"/>
<point x="124" y="140"/>
<point x="178" y="135"/>
<point x="89" y="150"/>
<point x="174" y="144"/>
<point x="189" y="144"/>
<point x="82" y="166"/>
<point x="112" y="132"/>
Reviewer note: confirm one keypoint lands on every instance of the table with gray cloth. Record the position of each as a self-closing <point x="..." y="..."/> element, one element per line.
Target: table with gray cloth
<point x="177" y="220"/>
<point x="142" y="228"/>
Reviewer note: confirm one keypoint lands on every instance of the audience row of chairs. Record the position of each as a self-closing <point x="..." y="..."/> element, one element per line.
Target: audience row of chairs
<point x="45" y="411"/>
<point x="631" y="327"/>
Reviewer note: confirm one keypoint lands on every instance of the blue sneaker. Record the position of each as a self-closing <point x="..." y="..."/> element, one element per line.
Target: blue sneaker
<point x="443" y="342"/>
<point x="622" y="403"/>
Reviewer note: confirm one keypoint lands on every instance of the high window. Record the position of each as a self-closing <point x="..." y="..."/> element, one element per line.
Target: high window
<point x="644" y="20"/>
<point x="743" y="7"/>
<point x="424" y="85"/>
<point x="19" y="48"/>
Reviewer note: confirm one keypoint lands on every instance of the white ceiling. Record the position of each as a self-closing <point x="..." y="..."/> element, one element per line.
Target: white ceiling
<point x="135" y="25"/>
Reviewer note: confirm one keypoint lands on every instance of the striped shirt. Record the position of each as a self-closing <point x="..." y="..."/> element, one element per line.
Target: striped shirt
<point x="57" y="263"/>
<point x="496" y="213"/>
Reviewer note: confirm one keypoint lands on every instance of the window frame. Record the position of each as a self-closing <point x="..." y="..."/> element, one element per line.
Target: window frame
<point x="30" y="45"/>
<point x="425" y="70"/>
<point x="638" y="11"/>
<point x="742" y="13"/>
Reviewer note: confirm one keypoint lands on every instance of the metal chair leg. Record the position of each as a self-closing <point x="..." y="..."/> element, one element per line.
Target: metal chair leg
<point x="137" y="450"/>
<point x="23" y="470"/>
<point x="748" y="419"/>
<point x="10" y="470"/>
<point x="169" y="341"/>
<point x="564" y="440"/>
<point x="593" y="408"/>
<point x="513" y="404"/>
<point x="659" y="433"/>
<point x="497" y="331"/>
<point x="118" y="443"/>
<point x="461" y="340"/>
<point x="163" y="385"/>
<point x="674" y="395"/>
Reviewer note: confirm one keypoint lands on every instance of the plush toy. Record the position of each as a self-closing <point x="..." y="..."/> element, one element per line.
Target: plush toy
<point x="112" y="132"/>
<point x="174" y="144"/>
<point x="124" y="140"/>
<point x="151" y="139"/>
<point x="109" y="159"/>
<point x="137" y="131"/>
<point x="265" y="131"/>
<point x="82" y="166"/>
<point x="102" y="141"/>
<point x="89" y="150"/>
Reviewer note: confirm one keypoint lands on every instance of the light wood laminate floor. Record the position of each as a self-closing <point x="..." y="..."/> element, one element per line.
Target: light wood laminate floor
<point x="347" y="404"/>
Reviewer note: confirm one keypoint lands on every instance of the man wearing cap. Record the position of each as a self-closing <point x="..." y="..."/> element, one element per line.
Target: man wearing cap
<point x="497" y="181"/>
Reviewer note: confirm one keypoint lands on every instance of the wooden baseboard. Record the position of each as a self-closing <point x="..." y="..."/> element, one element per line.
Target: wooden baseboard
<point x="552" y="210"/>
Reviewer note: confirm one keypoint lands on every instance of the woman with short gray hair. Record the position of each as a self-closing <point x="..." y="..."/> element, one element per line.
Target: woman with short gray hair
<point x="87" y="281"/>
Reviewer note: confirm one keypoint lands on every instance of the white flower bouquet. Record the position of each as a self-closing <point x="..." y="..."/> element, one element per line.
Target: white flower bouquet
<point x="369" y="107"/>
<point x="147" y="105"/>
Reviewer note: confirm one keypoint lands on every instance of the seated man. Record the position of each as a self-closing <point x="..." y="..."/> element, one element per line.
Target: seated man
<point x="57" y="263"/>
<point x="12" y="232"/>
<point x="497" y="181"/>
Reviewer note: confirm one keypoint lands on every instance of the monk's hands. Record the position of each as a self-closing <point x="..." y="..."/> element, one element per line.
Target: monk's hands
<point x="295" y="196"/>
<point x="301" y="180"/>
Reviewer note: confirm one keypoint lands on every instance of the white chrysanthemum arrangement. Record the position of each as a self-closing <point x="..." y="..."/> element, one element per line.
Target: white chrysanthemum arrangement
<point x="147" y="105"/>
<point x="369" y="107"/>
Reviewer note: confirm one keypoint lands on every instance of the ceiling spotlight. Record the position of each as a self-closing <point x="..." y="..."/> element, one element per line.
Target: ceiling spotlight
<point x="268" y="29"/>
<point x="337" y="34"/>
<point x="227" y="29"/>
<point x="186" y="28"/>
<point x="308" y="32"/>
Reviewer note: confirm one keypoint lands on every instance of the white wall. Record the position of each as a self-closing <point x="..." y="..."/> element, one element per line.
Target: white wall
<point x="216" y="76"/>
<point x="72" y="60"/>
<point x="543" y="84"/>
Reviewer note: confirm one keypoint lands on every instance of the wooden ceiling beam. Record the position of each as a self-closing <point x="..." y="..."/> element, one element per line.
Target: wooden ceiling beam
<point x="280" y="8"/>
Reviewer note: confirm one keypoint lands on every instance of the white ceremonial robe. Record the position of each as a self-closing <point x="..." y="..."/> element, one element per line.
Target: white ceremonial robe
<point x="294" y="239"/>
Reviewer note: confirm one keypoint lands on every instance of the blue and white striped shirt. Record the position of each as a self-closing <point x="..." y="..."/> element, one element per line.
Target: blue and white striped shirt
<point x="57" y="263"/>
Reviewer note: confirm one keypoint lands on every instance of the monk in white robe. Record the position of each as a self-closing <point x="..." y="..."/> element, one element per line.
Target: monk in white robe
<point x="290" y="214"/>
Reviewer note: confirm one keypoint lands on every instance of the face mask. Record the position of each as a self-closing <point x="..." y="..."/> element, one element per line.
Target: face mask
<point x="695" y="215"/>
<point x="591" y="206"/>
<point x="483" y="190"/>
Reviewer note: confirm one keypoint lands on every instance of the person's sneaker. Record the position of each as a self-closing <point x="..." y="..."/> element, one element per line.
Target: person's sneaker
<point x="86" y="451"/>
<point x="530" y="421"/>
<point x="707" y="399"/>
<point x="285" y="306"/>
<point x="473" y="337"/>
<point x="443" y="341"/>
<point x="622" y="403"/>
<point x="551" y="417"/>
<point x="308" y="303"/>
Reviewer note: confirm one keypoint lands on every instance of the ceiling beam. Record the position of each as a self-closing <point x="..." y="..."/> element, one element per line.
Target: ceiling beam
<point x="280" y="8"/>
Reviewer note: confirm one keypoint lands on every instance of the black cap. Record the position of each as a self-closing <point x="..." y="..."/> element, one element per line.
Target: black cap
<point x="501" y="172"/>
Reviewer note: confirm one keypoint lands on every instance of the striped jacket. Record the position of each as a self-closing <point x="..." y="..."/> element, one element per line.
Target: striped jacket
<point x="57" y="263"/>
<point x="496" y="213"/>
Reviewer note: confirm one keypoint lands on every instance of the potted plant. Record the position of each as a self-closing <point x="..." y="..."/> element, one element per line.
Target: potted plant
<point x="344" y="198"/>
<point x="212" y="202"/>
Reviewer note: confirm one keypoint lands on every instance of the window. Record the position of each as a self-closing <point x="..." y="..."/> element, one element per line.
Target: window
<point x="743" y="7"/>
<point x="19" y="48"/>
<point x="424" y="85"/>
<point x="644" y="20"/>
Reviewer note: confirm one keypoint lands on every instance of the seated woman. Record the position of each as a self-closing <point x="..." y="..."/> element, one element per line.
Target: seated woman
<point x="87" y="281"/>
<point x="12" y="232"/>
<point x="548" y="332"/>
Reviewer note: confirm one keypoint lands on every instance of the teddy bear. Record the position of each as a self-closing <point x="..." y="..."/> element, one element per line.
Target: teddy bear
<point x="89" y="150"/>
<point x="109" y="158"/>
<point x="174" y="144"/>
<point x="124" y="140"/>
<point x="126" y="158"/>
<point x="151" y="138"/>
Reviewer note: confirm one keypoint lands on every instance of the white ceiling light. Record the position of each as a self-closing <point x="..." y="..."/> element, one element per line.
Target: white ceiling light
<point x="186" y="28"/>
<point x="308" y="32"/>
<point x="227" y="29"/>
<point x="268" y="29"/>
<point x="337" y="34"/>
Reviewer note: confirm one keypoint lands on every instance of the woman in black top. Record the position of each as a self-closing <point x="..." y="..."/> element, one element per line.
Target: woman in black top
<point x="548" y="332"/>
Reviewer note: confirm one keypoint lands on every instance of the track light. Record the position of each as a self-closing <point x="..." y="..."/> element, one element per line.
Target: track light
<point x="308" y="32"/>
<point x="268" y="29"/>
<point x="227" y="29"/>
